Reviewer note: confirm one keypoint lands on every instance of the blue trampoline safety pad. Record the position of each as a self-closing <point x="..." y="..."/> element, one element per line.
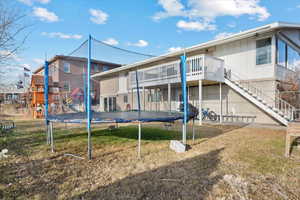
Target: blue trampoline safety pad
<point x="117" y="117"/>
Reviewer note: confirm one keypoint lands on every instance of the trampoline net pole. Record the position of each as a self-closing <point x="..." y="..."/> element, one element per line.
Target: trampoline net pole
<point x="89" y="99"/>
<point x="46" y="96"/>
<point x="184" y="96"/>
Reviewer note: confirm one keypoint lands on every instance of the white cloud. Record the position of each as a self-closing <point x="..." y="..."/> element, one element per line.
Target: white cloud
<point x="216" y="8"/>
<point x="10" y="55"/>
<point x="223" y="35"/>
<point x="200" y="11"/>
<point x="44" y="15"/>
<point x="31" y="2"/>
<point x="140" y="43"/>
<point x="62" y="35"/>
<point x="173" y="49"/>
<point x="98" y="16"/>
<point x="298" y="6"/>
<point x="171" y="7"/>
<point x="111" y="41"/>
<point x="195" y="26"/>
<point x="231" y="25"/>
<point x="38" y="61"/>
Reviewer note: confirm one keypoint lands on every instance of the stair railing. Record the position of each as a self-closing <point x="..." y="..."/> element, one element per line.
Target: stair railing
<point x="275" y="102"/>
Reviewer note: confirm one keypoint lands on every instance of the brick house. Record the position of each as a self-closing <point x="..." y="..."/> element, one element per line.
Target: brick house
<point x="68" y="73"/>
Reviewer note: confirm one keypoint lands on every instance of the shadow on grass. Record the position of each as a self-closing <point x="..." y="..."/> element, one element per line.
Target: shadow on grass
<point x="158" y="132"/>
<point x="188" y="179"/>
<point x="131" y="133"/>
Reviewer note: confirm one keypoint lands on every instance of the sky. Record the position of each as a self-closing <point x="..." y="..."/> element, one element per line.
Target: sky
<point x="148" y="26"/>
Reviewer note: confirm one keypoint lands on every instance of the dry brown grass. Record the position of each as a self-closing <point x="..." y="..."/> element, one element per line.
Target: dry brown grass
<point x="253" y="157"/>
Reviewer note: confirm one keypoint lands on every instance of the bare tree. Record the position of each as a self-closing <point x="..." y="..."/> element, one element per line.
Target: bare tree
<point x="289" y="89"/>
<point x="12" y="37"/>
<point x="12" y="27"/>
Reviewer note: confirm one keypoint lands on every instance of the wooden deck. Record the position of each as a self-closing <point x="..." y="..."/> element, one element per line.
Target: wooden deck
<point x="293" y="132"/>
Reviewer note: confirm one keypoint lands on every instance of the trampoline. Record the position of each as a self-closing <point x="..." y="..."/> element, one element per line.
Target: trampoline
<point x="84" y="94"/>
<point x="118" y="117"/>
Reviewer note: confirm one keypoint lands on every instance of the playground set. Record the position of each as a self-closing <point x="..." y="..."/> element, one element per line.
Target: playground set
<point x="90" y="114"/>
<point x="37" y="95"/>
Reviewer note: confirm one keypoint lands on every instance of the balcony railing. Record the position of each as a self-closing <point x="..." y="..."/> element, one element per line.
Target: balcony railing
<point x="200" y="67"/>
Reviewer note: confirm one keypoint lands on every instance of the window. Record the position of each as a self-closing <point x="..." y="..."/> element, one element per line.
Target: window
<point x="96" y="68"/>
<point x="281" y="53"/>
<point x="154" y="96"/>
<point x="105" y="68"/>
<point x="263" y="51"/>
<point x="293" y="59"/>
<point x="125" y="99"/>
<point x="287" y="56"/>
<point x="67" y="67"/>
<point x="66" y="86"/>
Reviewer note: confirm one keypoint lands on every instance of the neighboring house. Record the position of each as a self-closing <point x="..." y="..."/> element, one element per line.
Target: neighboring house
<point x="68" y="73"/>
<point x="10" y="94"/>
<point x="255" y="63"/>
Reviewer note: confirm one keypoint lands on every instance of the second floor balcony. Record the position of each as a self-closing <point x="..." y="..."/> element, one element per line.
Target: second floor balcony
<point x="200" y="67"/>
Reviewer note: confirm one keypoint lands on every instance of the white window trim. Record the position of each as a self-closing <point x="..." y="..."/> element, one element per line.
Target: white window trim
<point x="261" y="38"/>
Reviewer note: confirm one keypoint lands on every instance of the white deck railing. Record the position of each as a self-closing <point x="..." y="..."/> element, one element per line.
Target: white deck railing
<point x="200" y="67"/>
<point x="275" y="102"/>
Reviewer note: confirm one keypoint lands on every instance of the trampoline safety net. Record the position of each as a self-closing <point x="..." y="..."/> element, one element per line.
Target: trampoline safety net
<point x="75" y="97"/>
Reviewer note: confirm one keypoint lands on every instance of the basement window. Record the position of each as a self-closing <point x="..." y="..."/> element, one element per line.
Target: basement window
<point x="263" y="51"/>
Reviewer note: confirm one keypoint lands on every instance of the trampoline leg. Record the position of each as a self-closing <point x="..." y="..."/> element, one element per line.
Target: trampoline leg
<point x="48" y="133"/>
<point x="51" y="137"/>
<point x="193" y="130"/>
<point x="89" y="145"/>
<point x="139" y="142"/>
<point x="184" y="133"/>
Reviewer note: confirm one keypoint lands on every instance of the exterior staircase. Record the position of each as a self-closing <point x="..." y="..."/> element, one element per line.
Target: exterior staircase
<point x="276" y="107"/>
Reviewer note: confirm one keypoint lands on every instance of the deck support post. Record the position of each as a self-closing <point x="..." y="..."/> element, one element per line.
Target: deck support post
<point x="131" y="99"/>
<point x="169" y="97"/>
<point x="139" y="139"/>
<point x="200" y="102"/>
<point x="151" y="99"/>
<point x="221" y="106"/>
<point x="156" y="101"/>
<point x="144" y="99"/>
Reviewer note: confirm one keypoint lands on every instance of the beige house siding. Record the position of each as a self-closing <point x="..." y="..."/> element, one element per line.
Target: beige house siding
<point x="232" y="102"/>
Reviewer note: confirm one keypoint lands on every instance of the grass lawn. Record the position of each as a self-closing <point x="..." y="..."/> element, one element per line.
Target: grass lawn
<point x="224" y="162"/>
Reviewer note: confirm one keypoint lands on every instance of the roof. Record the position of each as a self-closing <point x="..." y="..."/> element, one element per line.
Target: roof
<point x="205" y="45"/>
<point x="37" y="79"/>
<point x="57" y="57"/>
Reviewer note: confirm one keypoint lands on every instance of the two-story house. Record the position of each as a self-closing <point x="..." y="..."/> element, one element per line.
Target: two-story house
<point x="238" y="75"/>
<point x="68" y="73"/>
